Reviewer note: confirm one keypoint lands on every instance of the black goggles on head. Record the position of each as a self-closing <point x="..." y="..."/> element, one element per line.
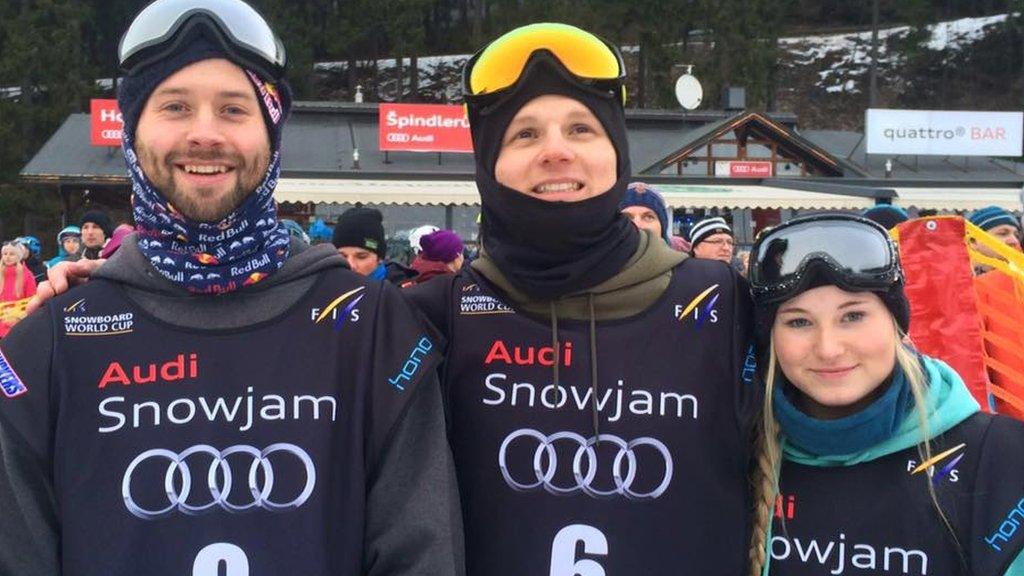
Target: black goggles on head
<point x="162" y="26"/>
<point x="856" y="253"/>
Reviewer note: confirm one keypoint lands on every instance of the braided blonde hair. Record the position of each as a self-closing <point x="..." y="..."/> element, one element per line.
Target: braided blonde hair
<point x="767" y="467"/>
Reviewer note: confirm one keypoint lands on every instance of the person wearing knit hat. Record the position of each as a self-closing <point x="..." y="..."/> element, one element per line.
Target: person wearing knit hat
<point x="711" y="238"/>
<point x="645" y="207"/>
<point x="219" y="302"/>
<point x="441" y="253"/>
<point x="1000" y="223"/>
<point x="359" y="238"/>
<point x="417" y="233"/>
<point x="852" y="411"/>
<point x="571" y="302"/>
<point x="887" y="215"/>
<point x="96" y="230"/>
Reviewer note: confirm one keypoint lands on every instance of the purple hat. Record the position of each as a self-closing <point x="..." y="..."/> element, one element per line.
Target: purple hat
<point x="115" y="240"/>
<point x="441" y="246"/>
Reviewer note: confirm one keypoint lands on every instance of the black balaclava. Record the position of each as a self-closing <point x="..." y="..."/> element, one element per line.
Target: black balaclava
<point x="552" y="249"/>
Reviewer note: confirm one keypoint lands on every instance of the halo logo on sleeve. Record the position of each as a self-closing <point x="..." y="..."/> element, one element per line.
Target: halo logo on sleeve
<point x="1008" y="527"/>
<point x="77" y="323"/>
<point x="9" y="380"/>
<point x="412" y="364"/>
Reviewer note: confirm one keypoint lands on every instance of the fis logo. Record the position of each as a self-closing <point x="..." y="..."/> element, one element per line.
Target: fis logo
<point x="948" y="469"/>
<point x="701" y="309"/>
<point x="76" y="308"/>
<point x="349" y="312"/>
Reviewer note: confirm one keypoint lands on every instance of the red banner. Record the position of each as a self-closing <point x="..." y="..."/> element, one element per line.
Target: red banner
<point x="424" y="128"/>
<point x="743" y="169"/>
<point x="106" y="123"/>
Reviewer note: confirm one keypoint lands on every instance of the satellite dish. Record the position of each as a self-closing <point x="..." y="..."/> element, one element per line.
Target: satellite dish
<point x="689" y="91"/>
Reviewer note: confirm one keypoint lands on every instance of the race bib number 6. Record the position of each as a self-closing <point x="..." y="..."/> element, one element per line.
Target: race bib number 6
<point x="563" y="551"/>
<point x="211" y="558"/>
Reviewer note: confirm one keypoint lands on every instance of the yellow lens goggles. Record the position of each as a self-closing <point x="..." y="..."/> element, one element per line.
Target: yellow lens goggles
<point x="500" y="65"/>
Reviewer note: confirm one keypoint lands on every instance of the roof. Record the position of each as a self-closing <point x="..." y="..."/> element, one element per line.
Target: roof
<point x="320" y="138"/>
<point x="772" y="129"/>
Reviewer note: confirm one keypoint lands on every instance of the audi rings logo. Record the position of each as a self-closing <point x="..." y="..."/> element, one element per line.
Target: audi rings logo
<point x="219" y="485"/>
<point x="585" y="464"/>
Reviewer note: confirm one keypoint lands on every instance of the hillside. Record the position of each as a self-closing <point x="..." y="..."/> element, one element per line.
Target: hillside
<point x="969" y="63"/>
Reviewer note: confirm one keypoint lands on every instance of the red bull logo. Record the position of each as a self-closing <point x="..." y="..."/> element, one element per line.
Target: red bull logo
<point x="254" y="278"/>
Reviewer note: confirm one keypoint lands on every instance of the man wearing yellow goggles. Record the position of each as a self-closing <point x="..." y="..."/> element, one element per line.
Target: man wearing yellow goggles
<point x="599" y="384"/>
<point x="599" y="388"/>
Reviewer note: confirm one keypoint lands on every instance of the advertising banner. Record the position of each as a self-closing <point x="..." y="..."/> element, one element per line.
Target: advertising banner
<point x="424" y="128"/>
<point x="106" y="123"/>
<point x="944" y="133"/>
<point x="743" y="169"/>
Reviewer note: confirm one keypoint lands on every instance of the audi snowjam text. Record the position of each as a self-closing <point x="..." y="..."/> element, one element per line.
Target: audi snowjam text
<point x="634" y="401"/>
<point x="623" y="400"/>
<point x="170" y="371"/>
<point x="832" y="555"/>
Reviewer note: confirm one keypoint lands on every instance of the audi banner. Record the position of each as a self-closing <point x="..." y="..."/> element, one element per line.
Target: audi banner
<point x="424" y="128"/>
<point x="106" y="123"/>
<point x="743" y="169"/>
<point x="944" y="132"/>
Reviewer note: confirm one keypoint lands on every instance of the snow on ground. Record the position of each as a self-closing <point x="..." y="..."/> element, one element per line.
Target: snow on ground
<point x="844" y="55"/>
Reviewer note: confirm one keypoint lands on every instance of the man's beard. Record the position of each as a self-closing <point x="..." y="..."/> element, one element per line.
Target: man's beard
<point x="198" y="207"/>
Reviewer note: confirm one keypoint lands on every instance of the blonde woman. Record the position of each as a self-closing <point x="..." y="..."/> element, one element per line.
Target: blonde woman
<point x="16" y="283"/>
<point x="873" y="459"/>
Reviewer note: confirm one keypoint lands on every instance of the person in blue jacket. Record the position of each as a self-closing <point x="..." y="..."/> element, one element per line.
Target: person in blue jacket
<point x="873" y="458"/>
<point x="69" y="246"/>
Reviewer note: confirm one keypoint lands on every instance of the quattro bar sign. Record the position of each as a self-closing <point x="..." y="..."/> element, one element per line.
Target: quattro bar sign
<point x="944" y="133"/>
<point x="424" y="128"/>
<point x="105" y="121"/>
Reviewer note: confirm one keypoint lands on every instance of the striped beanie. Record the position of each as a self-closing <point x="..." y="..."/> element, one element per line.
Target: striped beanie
<point x="989" y="217"/>
<point x="707" y="227"/>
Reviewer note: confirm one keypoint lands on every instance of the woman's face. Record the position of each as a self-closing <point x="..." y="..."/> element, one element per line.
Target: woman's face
<point x="555" y="149"/>
<point x="10" y="255"/>
<point x="836" y="348"/>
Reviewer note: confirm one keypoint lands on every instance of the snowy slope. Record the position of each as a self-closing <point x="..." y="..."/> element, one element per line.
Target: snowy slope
<point x="843" y="58"/>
